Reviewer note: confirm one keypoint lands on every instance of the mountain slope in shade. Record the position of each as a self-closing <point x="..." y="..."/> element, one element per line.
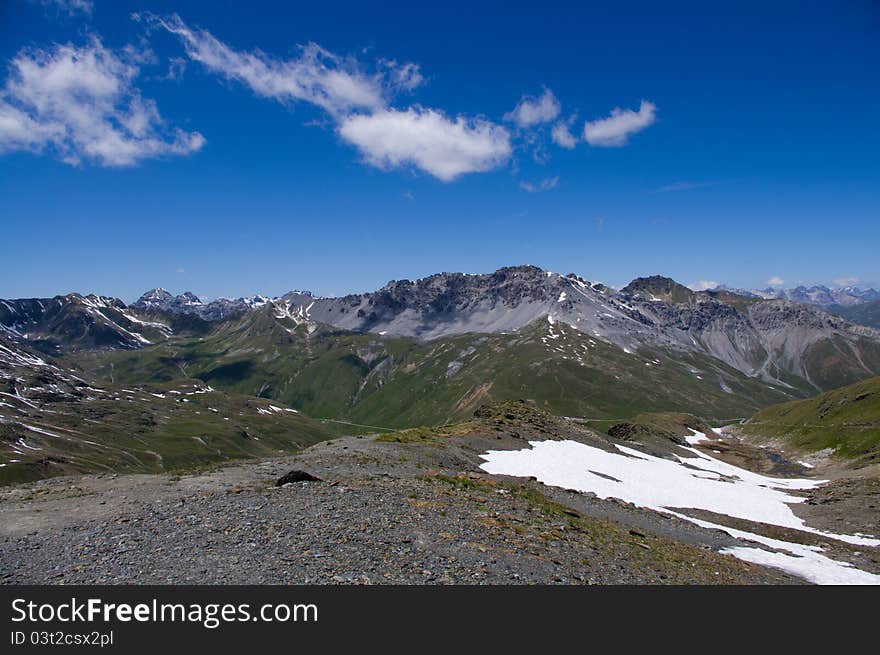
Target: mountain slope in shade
<point x="658" y="287"/>
<point x="76" y="322"/>
<point x="864" y="314"/>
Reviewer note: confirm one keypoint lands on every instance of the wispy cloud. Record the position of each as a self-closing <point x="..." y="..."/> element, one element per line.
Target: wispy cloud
<point x="688" y="186"/>
<point x="616" y="129"/>
<point x="176" y="68"/>
<point x="82" y="103"/>
<point x="775" y="281"/>
<point x="847" y="281"/>
<point x="562" y="136"/>
<point x="532" y="111"/>
<point x="319" y="77"/>
<point x="71" y="6"/>
<point x="427" y="139"/>
<point x="544" y="185"/>
<point x="357" y="101"/>
<point x="703" y="285"/>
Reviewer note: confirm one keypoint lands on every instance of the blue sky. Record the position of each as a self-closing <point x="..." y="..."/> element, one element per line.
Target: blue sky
<point x="215" y="150"/>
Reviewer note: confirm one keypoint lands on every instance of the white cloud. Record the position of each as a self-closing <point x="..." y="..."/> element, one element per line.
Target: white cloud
<point x="358" y="99"/>
<point x="616" y="129"/>
<point x="703" y="285"/>
<point x="357" y="102"/>
<point x="847" y="281"/>
<point x="18" y="131"/>
<point x="544" y="185"/>
<point x="317" y="76"/>
<point x="428" y="140"/>
<point x="562" y="136"/>
<point x="176" y="69"/>
<point x="82" y="102"/>
<point x="775" y="281"/>
<point x="533" y="111"/>
<point x="406" y="77"/>
<point x="72" y="6"/>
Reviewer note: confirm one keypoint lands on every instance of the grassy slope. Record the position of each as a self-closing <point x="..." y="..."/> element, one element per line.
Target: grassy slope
<point x="833" y="363"/>
<point x="846" y="419"/>
<point x="395" y="382"/>
<point x="137" y="431"/>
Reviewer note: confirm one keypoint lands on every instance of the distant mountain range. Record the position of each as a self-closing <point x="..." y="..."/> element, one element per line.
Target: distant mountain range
<point x="819" y="295"/>
<point x="188" y="303"/>
<point x="843" y="301"/>
<point x="421" y="352"/>
<point x="779" y="341"/>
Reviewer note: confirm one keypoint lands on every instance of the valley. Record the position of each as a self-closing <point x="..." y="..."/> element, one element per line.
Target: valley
<point x="438" y="417"/>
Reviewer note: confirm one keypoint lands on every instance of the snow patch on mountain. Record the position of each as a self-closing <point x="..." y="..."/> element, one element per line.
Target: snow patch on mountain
<point x="698" y="482"/>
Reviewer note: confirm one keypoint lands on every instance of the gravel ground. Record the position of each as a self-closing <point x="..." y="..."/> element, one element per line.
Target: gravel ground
<point x="383" y="513"/>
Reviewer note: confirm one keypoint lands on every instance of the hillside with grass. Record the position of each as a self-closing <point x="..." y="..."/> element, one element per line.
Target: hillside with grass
<point x="400" y="382"/>
<point x="55" y="422"/>
<point x="846" y="420"/>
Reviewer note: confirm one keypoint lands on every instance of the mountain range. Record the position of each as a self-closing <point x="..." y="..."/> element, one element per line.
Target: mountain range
<point x="830" y="298"/>
<point x="778" y="341"/>
<point x="431" y="349"/>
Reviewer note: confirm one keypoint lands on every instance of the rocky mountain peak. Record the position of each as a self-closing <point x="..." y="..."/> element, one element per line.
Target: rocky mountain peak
<point x="157" y="295"/>
<point x="658" y="287"/>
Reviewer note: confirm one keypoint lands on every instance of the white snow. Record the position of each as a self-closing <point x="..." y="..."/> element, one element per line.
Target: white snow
<point x="561" y="297"/>
<point x="696" y="437"/>
<point x="806" y="465"/>
<point x="153" y="324"/>
<point x="96" y="303"/>
<point x="22" y="358"/>
<point x="21" y="442"/>
<point x="693" y="482"/>
<point x="282" y="409"/>
<point x="804" y="561"/>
